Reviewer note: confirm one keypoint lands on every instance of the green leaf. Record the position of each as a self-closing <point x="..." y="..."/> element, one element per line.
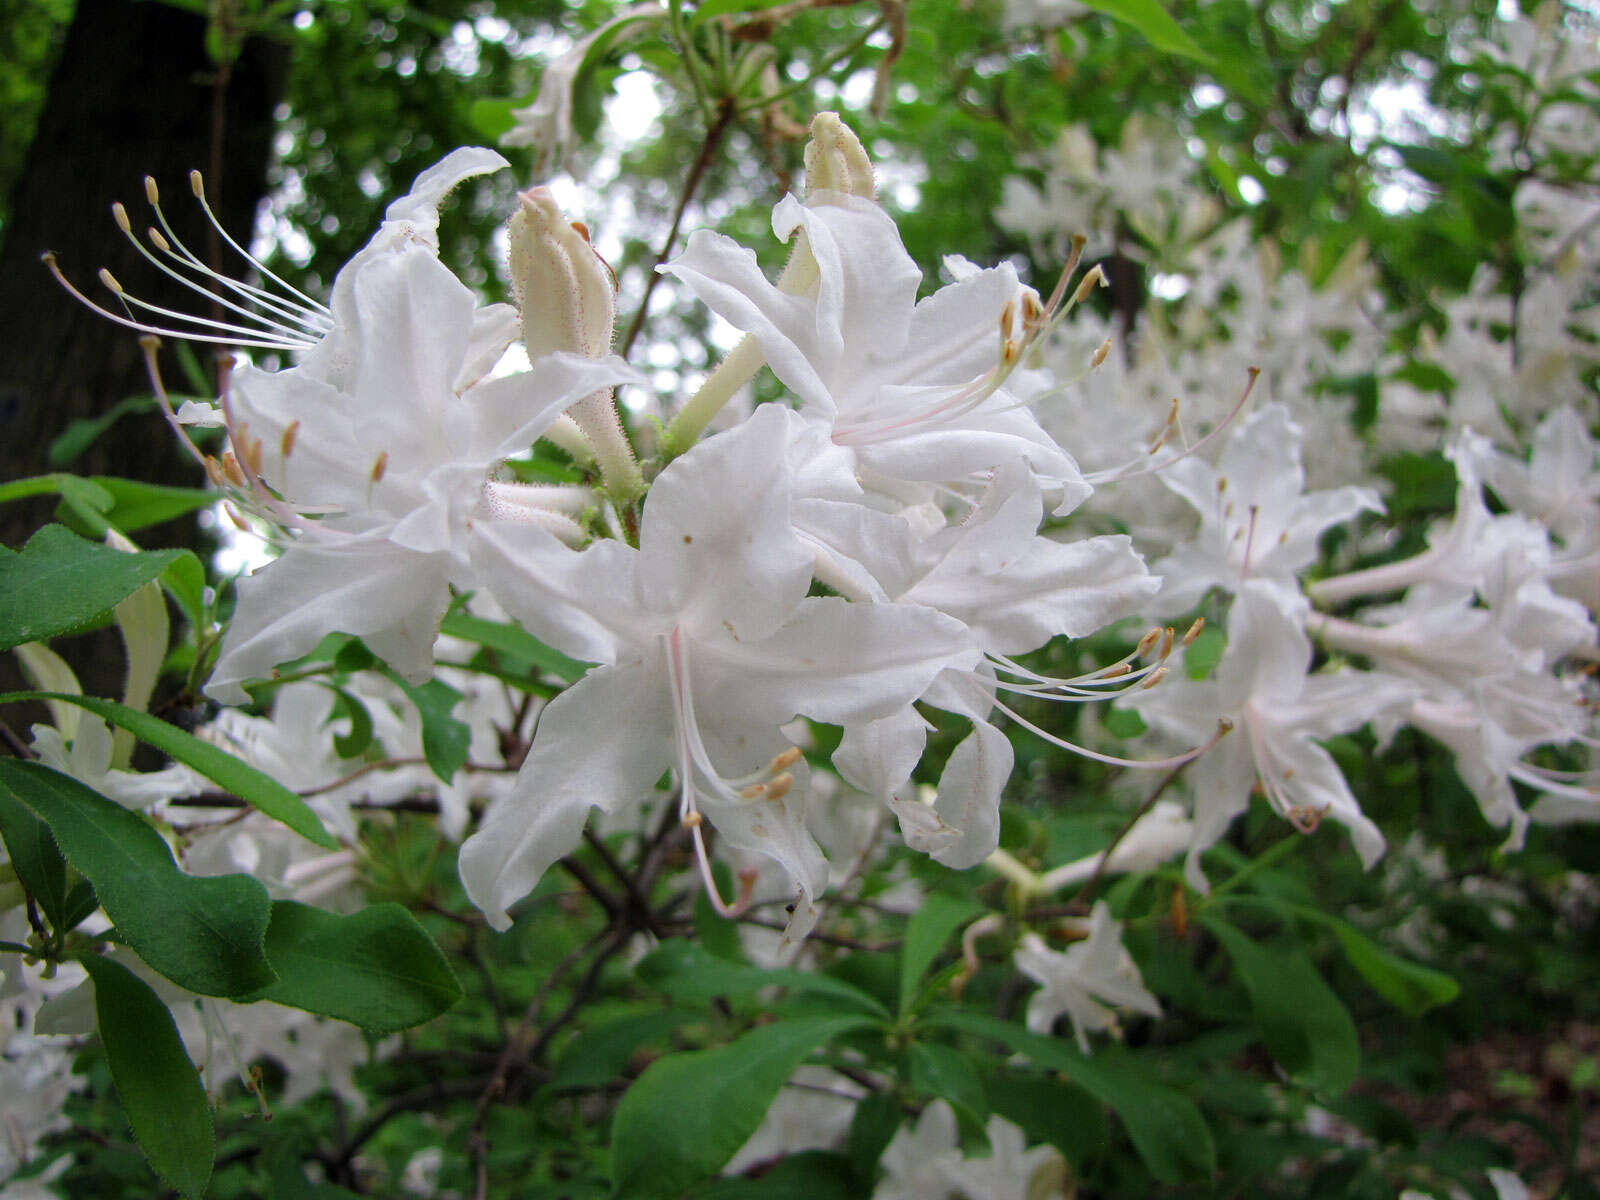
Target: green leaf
<point x="807" y="1175"/>
<point x="445" y="740"/>
<point x="204" y="934"/>
<point x="718" y="8"/>
<point x="185" y="582"/>
<point x="688" y="1113"/>
<point x="233" y="775"/>
<point x="77" y="437"/>
<point x="492" y="118"/>
<point x="1165" y="1126"/>
<point x="354" y="743"/>
<point x="136" y="504"/>
<point x="86" y="494"/>
<point x="602" y="1054"/>
<point x="687" y="971"/>
<point x="926" y="933"/>
<point x="376" y="968"/>
<point x="60" y="581"/>
<point x="872" y="1128"/>
<point x="1305" y="1025"/>
<point x="36" y="859"/>
<point x="158" y="1085"/>
<point x="1202" y="655"/>
<point x="514" y="641"/>
<point x="1154" y="22"/>
<point x="939" y="1072"/>
<point x="1410" y="987"/>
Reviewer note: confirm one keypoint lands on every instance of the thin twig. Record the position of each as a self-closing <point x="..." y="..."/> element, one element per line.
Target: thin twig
<point x="1080" y="902"/>
<point x="708" y="149"/>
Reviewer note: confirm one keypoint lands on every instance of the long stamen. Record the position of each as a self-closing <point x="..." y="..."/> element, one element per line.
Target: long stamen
<point x="1131" y="470"/>
<point x="290" y="337"/>
<point x="247" y="338"/>
<point x="1223" y="726"/>
<point x="197" y="185"/>
<point x="303" y="319"/>
<point x="299" y="316"/>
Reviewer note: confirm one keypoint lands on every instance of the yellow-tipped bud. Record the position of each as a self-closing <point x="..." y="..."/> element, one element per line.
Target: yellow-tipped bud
<point x="836" y="161"/>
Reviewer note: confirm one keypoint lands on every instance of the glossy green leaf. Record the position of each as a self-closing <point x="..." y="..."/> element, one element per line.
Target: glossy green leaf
<point x="1165" y="1126"/>
<point x="1410" y="987"/>
<point x="689" y="972"/>
<point x="939" y="1072"/>
<point x="688" y="1113"/>
<point x="510" y="639"/>
<point x="204" y="934"/>
<point x="1154" y="22"/>
<point x="60" y="581"/>
<point x="927" y="932"/>
<point x="602" y="1054"/>
<point x="445" y="740"/>
<point x="376" y="968"/>
<point x="136" y="504"/>
<point x="158" y="1085"/>
<point x="35" y="858"/>
<point x="86" y="494"/>
<point x="231" y="774"/>
<point x="1305" y="1025"/>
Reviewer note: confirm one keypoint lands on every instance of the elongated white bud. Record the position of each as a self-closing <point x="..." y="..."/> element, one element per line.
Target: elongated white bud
<point x="565" y="290"/>
<point x="836" y="161"/>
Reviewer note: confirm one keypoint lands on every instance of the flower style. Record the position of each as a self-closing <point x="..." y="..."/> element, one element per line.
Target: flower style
<point x="1089" y="981"/>
<point x="707" y="643"/>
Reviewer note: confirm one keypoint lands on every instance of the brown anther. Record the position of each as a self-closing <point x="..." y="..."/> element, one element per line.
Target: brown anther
<point x="1113" y="672"/>
<point x="159" y="242"/>
<point x="1032" y="310"/>
<point x="692" y="820"/>
<point x="784" y="759"/>
<point x="1166" y="642"/>
<point x="1194" y="631"/>
<point x="1092" y="280"/>
<point x="110" y="280"/>
<point x="583" y="230"/>
<point x="214" y="471"/>
<point x="1101" y="353"/>
<point x="1008" y="316"/>
<point x="1153" y="678"/>
<point x="120" y="215"/>
<point x="238" y="521"/>
<point x="752" y="791"/>
<point x="780" y="785"/>
<point x="379" y="466"/>
<point x="151" y="192"/>
<point x="230" y="466"/>
<point x="1010" y="352"/>
<point x="252" y="457"/>
<point x="1222" y="484"/>
<point x="287" y="444"/>
<point x="1148" y="642"/>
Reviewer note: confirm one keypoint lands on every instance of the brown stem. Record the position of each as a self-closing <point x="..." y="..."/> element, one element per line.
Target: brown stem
<point x="1081" y="901"/>
<point x="708" y="150"/>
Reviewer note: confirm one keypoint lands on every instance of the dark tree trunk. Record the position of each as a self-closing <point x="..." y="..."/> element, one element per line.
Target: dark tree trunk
<point x="133" y="94"/>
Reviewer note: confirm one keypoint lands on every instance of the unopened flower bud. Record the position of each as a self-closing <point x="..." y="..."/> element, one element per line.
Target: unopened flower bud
<point x="565" y="290"/>
<point x="836" y="161"/>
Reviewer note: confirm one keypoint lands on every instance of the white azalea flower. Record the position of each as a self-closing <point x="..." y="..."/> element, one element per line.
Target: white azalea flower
<point x="1088" y="982"/>
<point x="707" y="644"/>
